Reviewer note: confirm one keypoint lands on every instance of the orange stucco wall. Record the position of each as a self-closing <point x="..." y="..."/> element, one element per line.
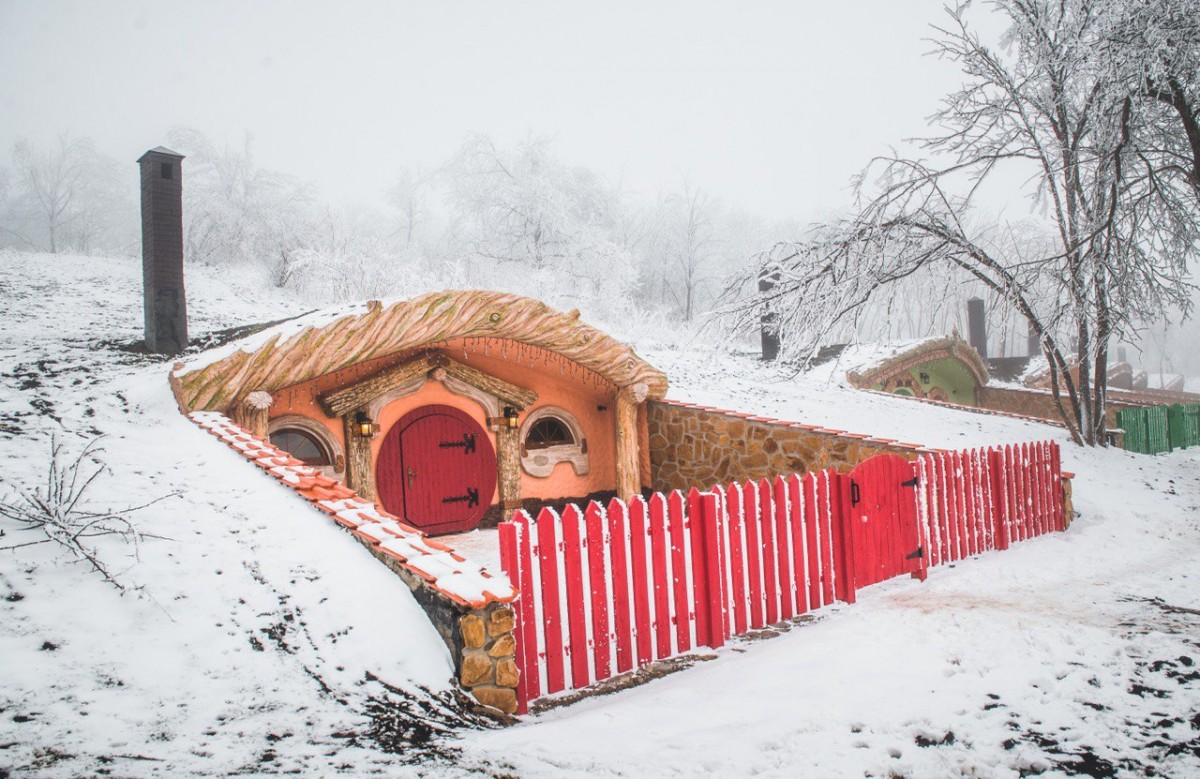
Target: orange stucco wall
<point x="556" y="380"/>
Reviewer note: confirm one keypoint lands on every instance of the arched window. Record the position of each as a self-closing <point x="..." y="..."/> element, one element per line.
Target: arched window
<point x="552" y="435"/>
<point x="310" y="442"/>
<point x="548" y="431"/>
<point x="301" y="445"/>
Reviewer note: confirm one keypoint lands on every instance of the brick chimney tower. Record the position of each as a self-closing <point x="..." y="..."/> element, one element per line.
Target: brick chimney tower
<point x="977" y="326"/>
<point x="162" y="251"/>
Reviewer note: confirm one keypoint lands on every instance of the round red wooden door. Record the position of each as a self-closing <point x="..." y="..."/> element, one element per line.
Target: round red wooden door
<point x="437" y="470"/>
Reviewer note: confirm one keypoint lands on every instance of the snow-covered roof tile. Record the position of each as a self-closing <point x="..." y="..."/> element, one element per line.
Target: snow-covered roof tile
<point x="443" y="568"/>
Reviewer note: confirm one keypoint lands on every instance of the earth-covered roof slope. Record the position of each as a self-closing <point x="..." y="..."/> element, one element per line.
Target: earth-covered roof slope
<point x="326" y="341"/>
<point x="950" y="346"/>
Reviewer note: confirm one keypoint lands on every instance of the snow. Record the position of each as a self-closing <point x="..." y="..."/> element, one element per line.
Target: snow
<point x="263" y="635"/>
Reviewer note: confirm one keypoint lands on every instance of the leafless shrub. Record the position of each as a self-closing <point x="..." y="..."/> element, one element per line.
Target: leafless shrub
<point x="59" y="511"/>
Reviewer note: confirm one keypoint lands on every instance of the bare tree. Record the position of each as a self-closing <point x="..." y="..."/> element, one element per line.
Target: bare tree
<point x="1116" y="239"/>
<point x="690" y="246"/>
<point x="68" y="196"/>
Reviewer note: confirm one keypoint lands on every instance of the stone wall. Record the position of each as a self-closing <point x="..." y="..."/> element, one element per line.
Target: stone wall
<point x="697" y="446"/>
<point x="1038" y="403"/>
<point x="480" y="640"/>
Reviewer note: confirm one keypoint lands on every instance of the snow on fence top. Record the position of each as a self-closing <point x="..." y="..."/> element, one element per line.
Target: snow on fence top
<point x="327" y="341"/>
<point x="441" y="567"/>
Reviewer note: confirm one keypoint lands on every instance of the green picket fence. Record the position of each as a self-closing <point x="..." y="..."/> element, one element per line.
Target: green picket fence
<point x="1156" y="429"/>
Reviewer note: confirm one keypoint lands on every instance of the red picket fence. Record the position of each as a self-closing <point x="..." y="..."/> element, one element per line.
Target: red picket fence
<point x="605" y="590"/>
<point x="975" y="501"/>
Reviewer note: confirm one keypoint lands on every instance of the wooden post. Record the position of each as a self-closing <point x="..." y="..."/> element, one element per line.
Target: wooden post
<point x="629" y="476"/>
<point x="508" y="466"/>
<point x="253" y="412"/>
<point x="359" y="473"/>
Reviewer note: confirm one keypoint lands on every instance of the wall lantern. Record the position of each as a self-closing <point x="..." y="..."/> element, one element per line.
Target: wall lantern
<point x="363" y="425"/>
<point x="510" y="417"/>
<point x="924" y="377"/>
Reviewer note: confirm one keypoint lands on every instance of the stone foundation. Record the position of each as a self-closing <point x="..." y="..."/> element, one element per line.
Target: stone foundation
<point x="694" y="446"/>
<point x="480" y="640"/>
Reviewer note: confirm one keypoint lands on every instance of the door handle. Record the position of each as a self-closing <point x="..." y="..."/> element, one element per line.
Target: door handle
<point x="412" y="475"/>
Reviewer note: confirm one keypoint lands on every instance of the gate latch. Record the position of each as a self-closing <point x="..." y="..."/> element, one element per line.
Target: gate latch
<point x="917" y="555"/>
<point x="467" y="443"/>
<point x="855" y="493"/>
<point x="471" y="498"/>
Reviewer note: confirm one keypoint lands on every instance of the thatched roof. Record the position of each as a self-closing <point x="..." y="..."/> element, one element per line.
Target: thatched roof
<point x="322" y="343"/>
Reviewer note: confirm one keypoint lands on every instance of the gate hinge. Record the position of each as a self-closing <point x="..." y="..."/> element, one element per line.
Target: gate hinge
<point x="917" y="555"/>
<point x="910" y="483"/>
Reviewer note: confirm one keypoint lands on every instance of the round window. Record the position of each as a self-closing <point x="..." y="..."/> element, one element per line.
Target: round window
<point x="301" y="445"/>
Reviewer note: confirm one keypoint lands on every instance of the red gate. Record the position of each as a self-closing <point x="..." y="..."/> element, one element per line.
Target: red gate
<point x="883" y="519"/>
<point x="437" y="469"/>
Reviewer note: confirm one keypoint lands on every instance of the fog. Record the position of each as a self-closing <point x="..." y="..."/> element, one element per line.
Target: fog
<point x="772" y="105"/>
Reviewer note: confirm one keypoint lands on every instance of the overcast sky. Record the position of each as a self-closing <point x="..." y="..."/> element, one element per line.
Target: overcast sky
<point x="769" y="105"/>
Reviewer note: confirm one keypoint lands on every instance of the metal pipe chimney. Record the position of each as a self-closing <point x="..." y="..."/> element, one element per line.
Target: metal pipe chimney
<point x="977" y="326"/>
<point x="162" y="251"/>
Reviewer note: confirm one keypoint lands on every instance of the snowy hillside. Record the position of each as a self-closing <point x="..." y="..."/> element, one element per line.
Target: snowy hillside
<point x="257" y="639"/>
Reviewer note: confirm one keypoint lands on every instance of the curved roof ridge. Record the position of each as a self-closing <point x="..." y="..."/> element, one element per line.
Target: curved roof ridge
<point x="930" y="349"/>
<point x="286" y="355"/>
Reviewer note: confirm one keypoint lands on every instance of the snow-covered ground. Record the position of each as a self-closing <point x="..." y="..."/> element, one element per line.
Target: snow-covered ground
<point x="263" y="639"/>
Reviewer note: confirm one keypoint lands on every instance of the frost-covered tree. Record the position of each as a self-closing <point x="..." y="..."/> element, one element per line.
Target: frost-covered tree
<point x="236" y="212"/>
<point x="521" y="217"/>
<point x="1046" y="104"/>
<point x="68" y="196"/>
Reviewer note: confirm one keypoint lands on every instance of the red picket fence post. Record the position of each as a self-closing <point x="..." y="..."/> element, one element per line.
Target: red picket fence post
<point x="577" y="628"/>
<point x="766" y="516"/>
<point x="677" y="525"/>
<point x="622" y="601"/>
<point x="783" y="548"/>
<point x="751" y="516"/>
<point x="739" y="597"/>
<point x="1000" y="522"/>
<point x="1059" y="497"/>
<point x="660" y="551"/>
<point x="710" y="524"/>
<point x="700" y="580"/>
<point x="799" y="560"/>
<point x="639" y="555"/>
<point x="552" y="626"/>
<point x="510" y="562"/>
<point x="597" y="592"/>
